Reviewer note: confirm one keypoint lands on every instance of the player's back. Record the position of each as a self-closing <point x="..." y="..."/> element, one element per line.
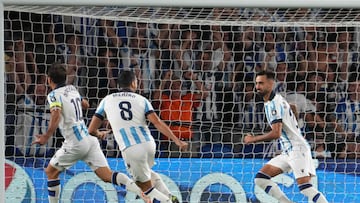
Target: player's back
<point x="126" y="112"/>
<point x="71" y="124"/>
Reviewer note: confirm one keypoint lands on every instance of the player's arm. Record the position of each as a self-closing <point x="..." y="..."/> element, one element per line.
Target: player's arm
<point x="94" y="126"/>
<point x="84" y="103"/>
<point x="53" y="125"/>
<point x="165" y="130"/>
<point x="275" y="133"/>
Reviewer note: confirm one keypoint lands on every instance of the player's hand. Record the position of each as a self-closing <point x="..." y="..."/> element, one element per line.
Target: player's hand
<point x="249" y="138"/>
<point x="40" y="139"/>
<point x="85" y="104"/>
<point x="102" y="134"/>
<point x="183" y="146"/>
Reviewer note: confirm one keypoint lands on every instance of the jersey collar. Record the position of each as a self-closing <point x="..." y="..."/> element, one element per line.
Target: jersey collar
<point x="272" y="95"/>
<point x="125" y="90"/>
<point x="60" y="85"/>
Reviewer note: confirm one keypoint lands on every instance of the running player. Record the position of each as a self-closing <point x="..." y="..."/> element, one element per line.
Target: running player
<point x="127" y="113"/>
<point x="66" y="107"/>
<point x="296" y="154"/>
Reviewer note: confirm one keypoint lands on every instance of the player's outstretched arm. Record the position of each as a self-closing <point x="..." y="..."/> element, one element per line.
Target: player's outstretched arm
<point x="165" y="130"/>
<point x="53" y="125"/>
<point x="275" y="133"/>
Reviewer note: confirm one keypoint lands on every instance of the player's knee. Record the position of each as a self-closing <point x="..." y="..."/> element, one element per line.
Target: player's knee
<point x="261" y="179"/>
<point x="307" y="189"/>
<point x="302" y="187"/>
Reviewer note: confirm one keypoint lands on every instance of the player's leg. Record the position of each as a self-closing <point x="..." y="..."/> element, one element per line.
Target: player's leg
<point x="273" y="168"/>
<point x="117" y="178"/>
<point x="101" y="168"/>
<point x="60" y="161"/>
<point x="53" y="183"/>
<point x="160" y="185"/>
<point x="139" y="159"/>
<point x="303" y="168"/>
<point x="307" y="189"/>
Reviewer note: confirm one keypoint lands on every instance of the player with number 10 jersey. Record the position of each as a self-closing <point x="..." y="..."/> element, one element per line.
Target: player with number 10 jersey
<point x="71" y="124"/>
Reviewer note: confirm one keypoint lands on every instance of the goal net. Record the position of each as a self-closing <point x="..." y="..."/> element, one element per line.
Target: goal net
<point x="196" y="66"/>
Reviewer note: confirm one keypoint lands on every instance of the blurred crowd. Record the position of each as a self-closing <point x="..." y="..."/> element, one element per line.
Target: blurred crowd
<point x="200" y="79"/>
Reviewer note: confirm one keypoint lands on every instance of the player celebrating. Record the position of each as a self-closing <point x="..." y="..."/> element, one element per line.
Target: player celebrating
<point x="296" y="154"/>
<point x="127" y="112"/>
<point x="66" y="113"/>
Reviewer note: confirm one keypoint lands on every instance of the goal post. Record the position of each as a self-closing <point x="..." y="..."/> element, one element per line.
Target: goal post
<point x="232" y="39"/>
<point x="189" y="3"/>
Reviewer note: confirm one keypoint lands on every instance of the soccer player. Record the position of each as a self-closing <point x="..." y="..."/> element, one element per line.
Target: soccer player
<point x="66" y="107"/>
<point x="127" y="113"/>
<point x="296" y="154"/>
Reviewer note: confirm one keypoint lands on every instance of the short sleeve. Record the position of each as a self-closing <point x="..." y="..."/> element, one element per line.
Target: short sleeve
<point x="100" y="111"/>
<point x="54" y="101"/>
<point x="148" y="107"/>
<point x="275" y="111"/>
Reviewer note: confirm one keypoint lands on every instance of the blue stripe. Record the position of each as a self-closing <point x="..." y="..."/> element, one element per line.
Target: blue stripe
<point x="124" y="137"/>
<point x="40" y="117"/>
<point x="316" y="197"/>
<point x="143" y="131"/>
<point x="100" y="109"/>
<point x="77" y="133"/>
<point x="304" y="186"/>
<point x="135" y="135"/>
<point x="268" y="188"/>
<point x="84" y="129"/>
<point x="52" y="183"/>
<point x="113" y="178"/>
<point x="51" y="193"/>
<point x="30" y="135"/>
<point x="262" y="175"/>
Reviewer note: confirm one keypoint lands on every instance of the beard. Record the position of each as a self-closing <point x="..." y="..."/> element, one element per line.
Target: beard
<point x="261" y="93"/>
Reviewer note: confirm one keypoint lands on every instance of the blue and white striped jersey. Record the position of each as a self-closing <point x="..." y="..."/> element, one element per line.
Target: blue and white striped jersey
<point x="277" y="109"/>
<point x="126" y="112"/>
<point x="348" y="115"/>
<point x="72" y="125"/>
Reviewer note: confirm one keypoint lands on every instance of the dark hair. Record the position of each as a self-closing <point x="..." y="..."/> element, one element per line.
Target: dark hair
<point x="126" y="77"/>
<point x="268" y="74"/>
<point x="57" y="73"/>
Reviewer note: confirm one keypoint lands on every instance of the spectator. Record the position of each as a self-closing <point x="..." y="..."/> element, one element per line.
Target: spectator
<point x="281" y="74"/>
<point x="143" y="60"/>
<point x="114" y="38"/>
<point x="272" y="52"/>
<point x="32" y="119"/>
<point x="251" y="111"/>
<point x="177" y="109"/>
<point x="348" y="116"/>
<point x="25" y="66"/>
<point x="75" y="61"/>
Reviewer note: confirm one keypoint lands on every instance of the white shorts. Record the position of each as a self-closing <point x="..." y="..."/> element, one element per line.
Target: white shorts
<point x="139" y="159"/>
<point x="87" y="150"/>
<point x="299" y="161"/>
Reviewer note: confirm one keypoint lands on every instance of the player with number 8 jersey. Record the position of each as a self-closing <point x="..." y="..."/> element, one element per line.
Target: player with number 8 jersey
<point x="128" y="113"/>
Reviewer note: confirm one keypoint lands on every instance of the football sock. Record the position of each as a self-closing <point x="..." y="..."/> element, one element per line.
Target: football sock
<point x="153" y="193"/>
<point x="312" y="193"/>
<point x="263" y="181"/>
<point x="159" y="184"/>
<point x="122" y="179"/>
<point x="54" y="190"/>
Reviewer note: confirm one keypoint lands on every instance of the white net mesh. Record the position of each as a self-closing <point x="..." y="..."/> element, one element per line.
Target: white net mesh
<point x="206" y="58"/>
